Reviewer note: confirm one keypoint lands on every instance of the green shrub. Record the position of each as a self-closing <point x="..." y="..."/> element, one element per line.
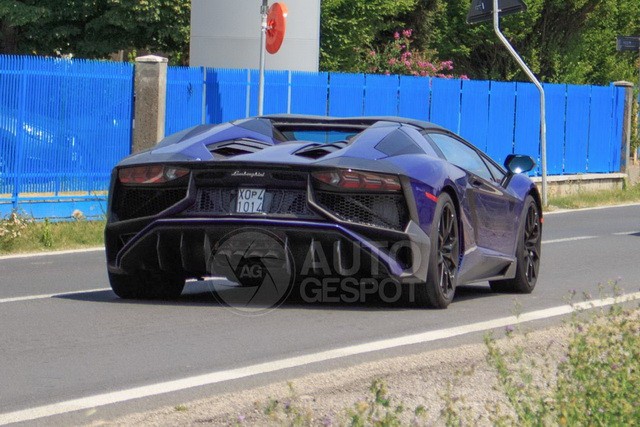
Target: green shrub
<point x="599" y="384"/>
<point x="46" y="237"/>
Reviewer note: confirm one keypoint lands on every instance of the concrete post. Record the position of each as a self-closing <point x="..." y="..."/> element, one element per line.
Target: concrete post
<point x="625" y="152"/>
<point x="150" y="101"/>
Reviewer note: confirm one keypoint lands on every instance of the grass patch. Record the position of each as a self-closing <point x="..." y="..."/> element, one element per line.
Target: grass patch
<point x="19" y="234"/>
<point x="630" y="194"/>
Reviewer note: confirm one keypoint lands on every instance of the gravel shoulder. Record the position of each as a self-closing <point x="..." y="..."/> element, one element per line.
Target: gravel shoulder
<point x="458" y="378"/>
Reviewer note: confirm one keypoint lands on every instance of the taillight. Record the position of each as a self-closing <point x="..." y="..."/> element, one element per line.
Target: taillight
<point x="150" y="174"/>
<point x="355" y="180"/>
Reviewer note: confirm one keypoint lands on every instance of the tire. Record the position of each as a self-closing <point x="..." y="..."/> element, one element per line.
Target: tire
<point x="527" y="253"/>
<point x="444" y="258"/>
<point x="147" y="285"/>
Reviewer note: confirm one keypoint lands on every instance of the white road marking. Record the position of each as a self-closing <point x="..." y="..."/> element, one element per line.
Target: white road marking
<point x="627" y="233"/>
<point x="94" y="401"/>
<point x="47" y="296"/>
<point x="568" y="239"/>
<point x="41" y="254"/>
<point x="597" y="208"/>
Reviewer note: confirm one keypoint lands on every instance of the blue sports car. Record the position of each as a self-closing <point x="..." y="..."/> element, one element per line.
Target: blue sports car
<point x="283" y="198"/>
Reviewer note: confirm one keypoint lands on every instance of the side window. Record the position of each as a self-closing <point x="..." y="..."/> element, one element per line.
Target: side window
<point x="497" y="173"/>
<point x="461" y="155"/>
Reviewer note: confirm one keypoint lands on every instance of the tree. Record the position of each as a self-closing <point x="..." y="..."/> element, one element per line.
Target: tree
<point x="399" y="57"/>
<point x="350" y="25"/>
<point x="593" y="57"/>
<point x="95" y="28"/>
<point x="570" y="41"/>
<point x="152" y="25"/>
<point x="15" y="15"/>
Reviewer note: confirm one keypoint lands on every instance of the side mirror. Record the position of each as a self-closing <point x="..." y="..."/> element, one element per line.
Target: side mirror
<point x="517" y="163"/>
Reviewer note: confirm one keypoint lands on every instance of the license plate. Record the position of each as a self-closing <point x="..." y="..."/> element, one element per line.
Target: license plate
<point x="250" y="200"/>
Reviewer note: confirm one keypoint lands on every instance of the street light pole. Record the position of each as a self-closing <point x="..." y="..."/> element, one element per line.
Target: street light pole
<point x="534" y="79"/>
<point x="263" y="45"/>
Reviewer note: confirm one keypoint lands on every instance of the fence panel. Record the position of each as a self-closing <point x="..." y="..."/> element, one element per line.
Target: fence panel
<point x="12" y="90"/>
<point x="346" y="94"/>
<point x="617" y="123"/>
<point x="226" y="92"/>
<point x="381" y="95"/>
<point x="556" y="95"/>
<point x="309" y="93"/>
<point x="502" y="101"/>
<point x="527" y="130"/>
<point x="445" y="103"/>
<point x="600" y="129"/>
<point x="64" y="124"/>
<point x="474" y="112"/>
<point x="276" y="92"/>
<point x="185" y="91"/>
<point x="414" y="97"/>
<point x="577" y="128"/>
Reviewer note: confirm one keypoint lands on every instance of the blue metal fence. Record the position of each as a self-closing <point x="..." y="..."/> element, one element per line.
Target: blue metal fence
<point x="65" y="123"/>
<point x="584" y="123"/>
<point x="63" y="126"/>
<point x="185" y="96"/>
<point x="226" y="94"/>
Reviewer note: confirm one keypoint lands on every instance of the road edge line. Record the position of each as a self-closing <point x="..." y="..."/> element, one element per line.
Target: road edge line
<point x="49" y="296"/>
<point x="594" y="208"/>
<point x="52" y="253"/>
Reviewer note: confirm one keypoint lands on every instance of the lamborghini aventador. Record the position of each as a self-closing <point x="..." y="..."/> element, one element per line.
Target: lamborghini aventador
<point x="400" y="199"/>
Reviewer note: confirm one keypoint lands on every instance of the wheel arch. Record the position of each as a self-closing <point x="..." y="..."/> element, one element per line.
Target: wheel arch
<point x="533" y="192"/>
<point x="451" y="192"/>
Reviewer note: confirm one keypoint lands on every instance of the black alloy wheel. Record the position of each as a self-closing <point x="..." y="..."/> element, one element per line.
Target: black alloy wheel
<point x="444" y="259"/>
<point x="528" y="253"/>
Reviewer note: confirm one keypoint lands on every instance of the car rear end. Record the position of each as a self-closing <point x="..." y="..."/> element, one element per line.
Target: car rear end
<point x="172" y="217"/>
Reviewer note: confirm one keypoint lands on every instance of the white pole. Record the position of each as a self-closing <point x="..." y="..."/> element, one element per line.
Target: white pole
<point x="263" y="45"/>
<point x="533" y="78"/>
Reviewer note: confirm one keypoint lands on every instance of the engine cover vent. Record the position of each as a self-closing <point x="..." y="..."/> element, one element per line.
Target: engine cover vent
<point x="237" y="147"/>
<point x="318" y="151"/>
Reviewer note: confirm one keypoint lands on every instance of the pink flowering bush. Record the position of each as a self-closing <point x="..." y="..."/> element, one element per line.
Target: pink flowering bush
<point x="397" y="57"/>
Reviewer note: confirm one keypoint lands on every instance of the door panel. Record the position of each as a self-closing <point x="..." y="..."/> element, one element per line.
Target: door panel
<point x="496" y="222"/>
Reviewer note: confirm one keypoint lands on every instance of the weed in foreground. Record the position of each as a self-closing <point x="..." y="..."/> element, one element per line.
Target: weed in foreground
<point x="376" y="409"/>
<point x="286" y="412"/>
<point x="46" y="238"/>
<point x="595" y="383"/>
<point x="599" y="383"/>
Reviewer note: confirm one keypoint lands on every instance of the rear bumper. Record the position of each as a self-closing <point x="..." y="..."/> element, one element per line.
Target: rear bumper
<point x="183" y="245"/>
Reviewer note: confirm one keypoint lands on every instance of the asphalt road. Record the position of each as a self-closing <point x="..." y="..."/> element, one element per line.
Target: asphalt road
<point x="64" y="336"/>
